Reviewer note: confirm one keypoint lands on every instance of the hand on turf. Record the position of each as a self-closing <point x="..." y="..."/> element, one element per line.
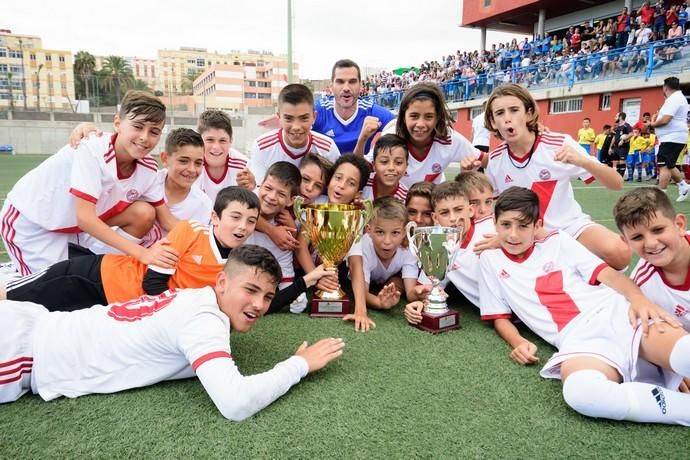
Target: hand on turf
<point x="644" y="310"/>
<point x="284" y="237"/>
<point x="525" y="353"/>
<point x="470" y="162"/>
<point x="568" y="155"/>
<point x="321" y="353"/>
<point x="362" y="321"/>
<point x="317" y="274"/>
<point x="490" y="241"/>
<point x="161" y="254"/>
<point x="328" y="283"/>
<point x="246" y="179"/>
<point x="684" y="385"/>
<point x="81" y="131"/>
<point x="413" y="312"/>
<point x="388" y="297"/>
<point x="285" y="219"/>
<point x="369" y="127"/>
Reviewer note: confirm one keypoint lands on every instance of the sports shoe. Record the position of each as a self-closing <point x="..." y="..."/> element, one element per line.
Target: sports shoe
<point x="682" y="195"/>
<point x="8" y="272"/>
<point x="299" y="304"/>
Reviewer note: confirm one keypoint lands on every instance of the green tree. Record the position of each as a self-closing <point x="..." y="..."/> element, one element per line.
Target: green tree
<point x="117" y="74"/>
<point x="84" y="67"/>
<point x="187" y="85"/>
<point x="9" y="88"/>
<point x="140" y="85"/>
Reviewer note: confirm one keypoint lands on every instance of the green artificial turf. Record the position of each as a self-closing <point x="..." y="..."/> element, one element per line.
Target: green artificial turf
<point x="397" y="392"/>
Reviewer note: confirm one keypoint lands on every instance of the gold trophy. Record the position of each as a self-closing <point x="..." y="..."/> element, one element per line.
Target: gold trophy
<point x="332" y="229"/>
<point x="435" y="249"/>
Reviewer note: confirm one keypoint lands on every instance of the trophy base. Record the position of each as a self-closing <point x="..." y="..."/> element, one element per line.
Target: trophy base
<point x="435" y="324"/>
<point x="329" y="308"/>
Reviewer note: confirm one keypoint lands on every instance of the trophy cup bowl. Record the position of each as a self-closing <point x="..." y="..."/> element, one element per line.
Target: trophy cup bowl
<point x="435" y="249"/>
<point x="332" y="229"/>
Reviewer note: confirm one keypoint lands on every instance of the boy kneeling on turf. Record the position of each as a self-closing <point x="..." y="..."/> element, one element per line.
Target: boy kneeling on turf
<point x="178" y="334"/>
<point x="552" y="285"/>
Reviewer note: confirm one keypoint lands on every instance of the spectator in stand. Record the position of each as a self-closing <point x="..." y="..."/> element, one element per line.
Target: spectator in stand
<point x="575" y="40"/>
<point x="643" y="34"/>
<point x="646" y="14"/>
<point x="623" y="28"/>
<point x="610" y="33"/>
<point x="671" y="16"/>
<point x="659" y="27"/>
<point x="682" y="17"/>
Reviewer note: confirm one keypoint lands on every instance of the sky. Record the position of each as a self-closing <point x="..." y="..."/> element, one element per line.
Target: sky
<point x="374" y="33"/>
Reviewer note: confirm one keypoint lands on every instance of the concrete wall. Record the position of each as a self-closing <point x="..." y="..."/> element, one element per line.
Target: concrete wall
<point x="46" y="133"/>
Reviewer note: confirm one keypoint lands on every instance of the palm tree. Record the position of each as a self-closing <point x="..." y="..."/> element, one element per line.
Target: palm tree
<point x="84" y="66"/>
<point x="9" y="88"/>
<point x="140" y="85"/>
<point x="187" y="85"/>
<point x="118" y="74"/>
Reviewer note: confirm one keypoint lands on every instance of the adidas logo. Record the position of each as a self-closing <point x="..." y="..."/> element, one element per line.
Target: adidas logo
<point x="660" y="399"/>
<point x="504" y="274"/>
<point x="330" y="133"/>
<point x="508" y="179"/>
<point x="680" y="311"/>
<point x="197" y="259"/>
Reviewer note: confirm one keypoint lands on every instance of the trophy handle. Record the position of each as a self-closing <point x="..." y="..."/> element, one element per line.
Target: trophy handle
<point x="409" y="231"/>
<point x="368" y="213"/>
<point x="297" y="208"/>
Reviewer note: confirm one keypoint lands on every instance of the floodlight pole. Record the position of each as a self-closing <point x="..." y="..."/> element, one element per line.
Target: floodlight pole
<point x="289" y="40"/>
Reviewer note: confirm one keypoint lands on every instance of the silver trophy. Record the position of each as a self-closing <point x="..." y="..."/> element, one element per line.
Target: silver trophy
<point x="435" y="249"/>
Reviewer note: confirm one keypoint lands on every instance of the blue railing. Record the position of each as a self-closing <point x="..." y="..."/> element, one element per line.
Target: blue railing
<point x="662" y="56"/>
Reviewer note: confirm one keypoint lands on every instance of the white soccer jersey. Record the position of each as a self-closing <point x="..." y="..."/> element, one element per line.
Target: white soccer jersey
<point x="375" y="271"/>
<point x="548" y="289"/>
<point x="464" y="274"/>
<point x="271" y="148"/>
<point x="285" y="257"/>
<point x="548" y="178"/>
<point x="210" y="186"/>
<point x="45" y="195"/>
<point x="370" y="192"/>
<point x="653" y="284"/>
<point x="429" y="166"/>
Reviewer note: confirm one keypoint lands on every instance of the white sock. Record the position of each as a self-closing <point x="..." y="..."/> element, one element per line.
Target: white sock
<point x="683" y="185"/>
<point x="680" y="357"/>
<point x="590" y="393"/>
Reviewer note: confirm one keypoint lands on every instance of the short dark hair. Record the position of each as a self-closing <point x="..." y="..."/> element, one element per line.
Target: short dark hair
<point x="425" y="92"/>
<point x="388" y="142"/>
<point x="520" y="199"/>
<point x="446" y="190"/>
<point x="234" y="193"/>
<point x="180" y="137"/>
<point x="343" y="64"/>
<point x="295" y="93"/>
<point x="324" y="164"/>
<point x="358" y="162"/>
<point x="586" y="118"/>
<point x="672" y="83"/>
<point x="419" y="189"/>
<point x="640" y="205"/>
<point x="136" y="103"/>
<point x="287" y="173"/>
<point x="256" y="257"/>
<point x="607" y="126"/>
<point x="214" y="119"/>
<point x="622" y="115"/>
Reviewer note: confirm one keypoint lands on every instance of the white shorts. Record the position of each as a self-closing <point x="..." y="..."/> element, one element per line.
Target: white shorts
<point x="606" y="334"/>
<point x="578" y="226"/>
<point x="30" y="246"/>
<point x="17" y="323"/>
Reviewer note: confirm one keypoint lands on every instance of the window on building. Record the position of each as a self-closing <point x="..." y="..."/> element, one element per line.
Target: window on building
<point x="264" y="96"/>
<point x="3" y="69"/>
<point x="251" y="83"/>
<point x="62" y="58"/>
<point x="605" y="102"/>
<point x="487" y="3"/>
<point x="631" y="107"/>
<point x="16" y="54"/>
<point x="250" y="95"/>
<point x="200" y="62"/>
<point x="32" y="56"/>
<point x="567" y="105"/>
<point x="16" y="70"/>
<point x="49" y="58"/>
<point x="474" y="111"/>
<point x="3" y="52"/>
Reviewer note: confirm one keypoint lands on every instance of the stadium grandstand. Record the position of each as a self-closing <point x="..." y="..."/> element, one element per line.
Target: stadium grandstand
<point x="580" y="58"/>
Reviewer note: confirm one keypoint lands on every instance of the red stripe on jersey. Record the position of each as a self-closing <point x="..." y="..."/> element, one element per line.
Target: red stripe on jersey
<point x="482" y="219"/>
<point x="148" y="165"/>
<point x="544" y="190"/>
<point x="595" y="274"/>
<point x="114" y="211"/>
<point x="589" y="180"/>
<point x="444" y="141"/>
<point x="22" y="359"/>
<point x="498" y="151"/>
<point x="324" y="144"/>
<point x="550" y="137"/>
<point x="263" y="142"/>
<point x="499" y="316"/>
<point x="287" y="280"/>
<point x="17" y="368"/>
<point x="549" y="289"/>
<point x="208" y="357"/>
<point x="14" y="378"/>
<point x="8" y="234"/>
<point x="83" y="196"/>
<point x="643" y="273"/>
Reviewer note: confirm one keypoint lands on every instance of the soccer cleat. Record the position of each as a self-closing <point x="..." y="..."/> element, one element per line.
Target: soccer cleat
<point x="682" y="195"/>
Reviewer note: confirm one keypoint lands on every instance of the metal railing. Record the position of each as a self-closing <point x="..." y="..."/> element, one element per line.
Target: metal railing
<point x="671" y="56"/>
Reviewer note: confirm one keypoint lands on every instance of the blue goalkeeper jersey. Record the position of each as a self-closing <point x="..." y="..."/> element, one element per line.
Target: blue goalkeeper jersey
<point x="345" y="133"/>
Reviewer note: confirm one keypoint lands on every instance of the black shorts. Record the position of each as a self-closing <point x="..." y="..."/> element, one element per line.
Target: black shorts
<point x="622" y="152"/>
<point x="668" y="154"/>
<point x="68" y="285"/>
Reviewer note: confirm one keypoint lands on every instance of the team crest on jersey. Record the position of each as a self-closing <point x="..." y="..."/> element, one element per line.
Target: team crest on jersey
<point x="503" y="275"/>
<point x="680" y="311"/>
<point x="436" y="168"/>
<point x="544" y="174"/>
<point x="132" y="195"/>
<point x="548" y="267"/>
<point x="508" y="179"/>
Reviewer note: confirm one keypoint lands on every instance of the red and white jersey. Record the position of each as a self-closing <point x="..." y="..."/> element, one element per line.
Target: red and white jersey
<point x="210" y="186"/>
<point x="370" y="192"/>
<point x="550" y="290"/>
<point x="673" y="298"/>
<point x="464" y="274"/>
<point x="285" y="257"/>
<point x="548" y="178"/>
<point x="403" y="262"/>
<point x="45" y="195"/>
<point x="271" y="148"/>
